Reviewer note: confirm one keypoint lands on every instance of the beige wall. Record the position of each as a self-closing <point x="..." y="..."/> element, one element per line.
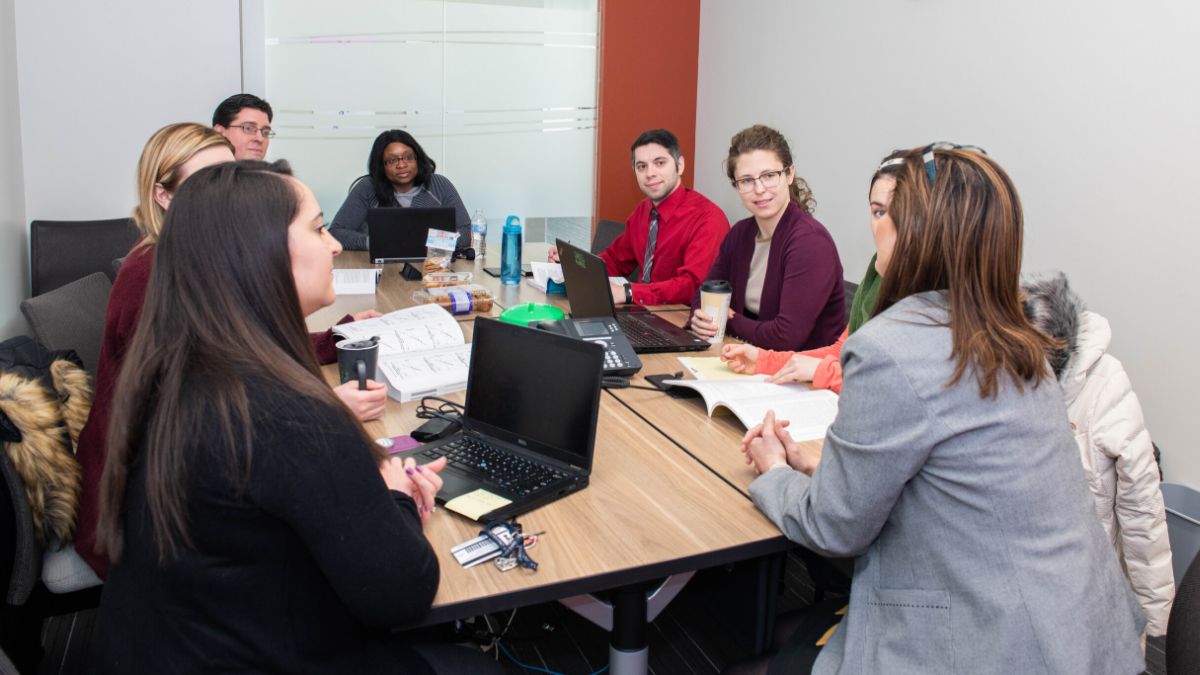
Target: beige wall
<point x="84" y="85"/>
<point x="14" y="247"/>
<point x="1090" y="105"/>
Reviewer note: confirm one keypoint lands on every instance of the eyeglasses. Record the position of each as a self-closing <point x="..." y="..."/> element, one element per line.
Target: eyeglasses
<point x="927" y="155"/>
<point x="390" y="162"/>
<point x="253" y="130"/>
<point x="769" y="179"/>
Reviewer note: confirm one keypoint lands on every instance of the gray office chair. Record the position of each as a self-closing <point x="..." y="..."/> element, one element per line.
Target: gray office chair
<point x="606" y="232"/>
<point x="72" y="317"/>
<point x="62" y="251"/>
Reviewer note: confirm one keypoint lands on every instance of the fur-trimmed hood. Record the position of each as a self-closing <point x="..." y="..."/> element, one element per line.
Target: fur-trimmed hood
<point x="1054" y="309"/>
<point x="45" y="398"/>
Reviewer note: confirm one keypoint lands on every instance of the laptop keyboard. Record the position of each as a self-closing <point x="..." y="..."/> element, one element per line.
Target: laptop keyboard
<point x="641" y="334"/>
<point x="513" y="473"/>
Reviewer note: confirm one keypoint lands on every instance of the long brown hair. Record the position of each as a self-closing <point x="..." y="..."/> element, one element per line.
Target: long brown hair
<point x="963" y="234"/>
<point x="761" y="137"/>
<point x="221" y="307"/>
<point x="166" y="151"/>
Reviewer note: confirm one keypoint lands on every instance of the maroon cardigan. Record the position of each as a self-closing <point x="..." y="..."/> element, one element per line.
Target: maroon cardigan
<point x="120" y="322"/>
<point x="803" y="303"/>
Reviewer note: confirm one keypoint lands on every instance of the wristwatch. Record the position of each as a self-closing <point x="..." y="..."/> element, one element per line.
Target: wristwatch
<point x="628" y="294"/>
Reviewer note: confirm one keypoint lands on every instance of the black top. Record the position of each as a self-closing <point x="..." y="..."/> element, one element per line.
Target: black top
<point x="303" y="570"/>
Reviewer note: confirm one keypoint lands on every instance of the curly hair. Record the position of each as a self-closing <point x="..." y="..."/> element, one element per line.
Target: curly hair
<point x="761" y="137"/>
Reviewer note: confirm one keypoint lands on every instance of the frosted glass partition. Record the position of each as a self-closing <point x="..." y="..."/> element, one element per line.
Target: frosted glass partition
<point x="502" y="95"/>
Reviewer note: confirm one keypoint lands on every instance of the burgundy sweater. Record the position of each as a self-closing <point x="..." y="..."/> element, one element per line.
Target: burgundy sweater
<point x="803" y="302"/>
<point x="120" y="321"/>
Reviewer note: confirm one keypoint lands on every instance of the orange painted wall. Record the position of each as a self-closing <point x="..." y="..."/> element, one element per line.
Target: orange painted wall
<point x="647" y="80"/>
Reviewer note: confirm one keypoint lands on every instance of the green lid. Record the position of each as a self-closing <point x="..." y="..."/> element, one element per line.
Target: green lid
<point x="523" y="315"/>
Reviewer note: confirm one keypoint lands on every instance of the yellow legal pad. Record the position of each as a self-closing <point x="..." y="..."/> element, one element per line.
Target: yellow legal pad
<point x="476" y="503"/>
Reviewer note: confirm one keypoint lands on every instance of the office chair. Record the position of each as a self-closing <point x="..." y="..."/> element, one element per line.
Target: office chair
<point x="606" y="232"/>
<point x="72" y="317"/>
<point x="356" y="181"/>
<point x="61" y="251"/>
<point x="1183" y="627"/>
<point x="851" y="291"/>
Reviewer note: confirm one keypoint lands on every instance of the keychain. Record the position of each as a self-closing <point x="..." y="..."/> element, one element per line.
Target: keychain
<point x="513" y="552"/>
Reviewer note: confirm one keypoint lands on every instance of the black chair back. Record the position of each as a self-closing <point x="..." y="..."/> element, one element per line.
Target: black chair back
<point x="606" y="232"/>
<point x="61" y="251"/>
<point x="851" y="290"/>
<point x="1183" y="627"/>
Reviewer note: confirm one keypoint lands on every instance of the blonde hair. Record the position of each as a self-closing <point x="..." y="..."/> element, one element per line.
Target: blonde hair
<point x="166" y="151"/>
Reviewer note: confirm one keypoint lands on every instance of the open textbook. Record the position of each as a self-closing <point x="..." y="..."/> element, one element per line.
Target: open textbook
<point x="810" y="411"/>
<point x="422" y="351"/>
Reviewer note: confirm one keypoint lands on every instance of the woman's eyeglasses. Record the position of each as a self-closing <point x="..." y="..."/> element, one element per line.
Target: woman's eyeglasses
<point x="769" y="179"/>
<point x="391" y="162"/>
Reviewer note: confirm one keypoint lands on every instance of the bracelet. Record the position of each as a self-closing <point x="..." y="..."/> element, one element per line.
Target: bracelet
<point x="628" y="294"/>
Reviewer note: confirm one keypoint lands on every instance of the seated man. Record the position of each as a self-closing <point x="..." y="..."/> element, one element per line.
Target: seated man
<point x="245" y="120"/>
<point x="672" y="236"/>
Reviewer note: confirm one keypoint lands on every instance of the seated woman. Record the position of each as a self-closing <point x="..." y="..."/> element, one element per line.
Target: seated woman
<point x="252" y="524"/>
<point x="782" y="264"/>
<point x="171" y="155"/>
<point x="399" y="173"/>
<point x="821" y="366"/>
<point x="950" y="471"/>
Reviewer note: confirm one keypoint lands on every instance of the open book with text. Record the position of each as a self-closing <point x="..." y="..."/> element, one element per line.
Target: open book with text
<point x="810" y="411"/>
<point x="422" y="351"/>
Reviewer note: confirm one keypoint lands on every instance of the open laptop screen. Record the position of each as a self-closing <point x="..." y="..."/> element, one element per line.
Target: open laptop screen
<point x="397" y="234"/>
<point x="536" y="389"/>
<point x="587" y="282"/>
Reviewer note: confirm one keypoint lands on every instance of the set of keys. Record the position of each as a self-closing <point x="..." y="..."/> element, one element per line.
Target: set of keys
<point x="503" y="543"/>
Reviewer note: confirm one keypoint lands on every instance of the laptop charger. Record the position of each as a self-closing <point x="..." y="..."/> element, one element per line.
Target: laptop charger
<point x="434" y="429"/>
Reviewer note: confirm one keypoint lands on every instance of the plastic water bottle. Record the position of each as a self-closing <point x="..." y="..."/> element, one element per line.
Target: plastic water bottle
<point x="510" y="252"/>
<point x="479" y="233"/>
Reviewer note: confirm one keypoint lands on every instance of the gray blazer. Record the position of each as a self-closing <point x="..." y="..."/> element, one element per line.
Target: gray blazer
<point x="349" y="226"/>
<point x="978" y="549"/>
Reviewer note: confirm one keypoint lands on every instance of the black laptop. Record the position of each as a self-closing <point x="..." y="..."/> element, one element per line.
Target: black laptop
<point x="397" y="234"/>
<point x="529" y="431"/>
<point x="588" y="292"/>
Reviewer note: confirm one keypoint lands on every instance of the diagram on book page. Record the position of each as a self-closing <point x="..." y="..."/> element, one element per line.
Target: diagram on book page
<point x="426" y="373"/>
<point x="414" y="329"/>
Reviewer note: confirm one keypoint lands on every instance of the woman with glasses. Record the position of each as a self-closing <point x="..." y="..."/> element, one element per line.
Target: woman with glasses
<point x="822" y="366"/>
<point x="950" y="472"/>
<point x="399" y="173"/>
<point x="781" y="262"/>
<point x="252" y="523"/>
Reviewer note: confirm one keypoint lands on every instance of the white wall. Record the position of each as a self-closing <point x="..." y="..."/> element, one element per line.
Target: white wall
<point x="97" y="79"/>
<point x="14" y="272"/>
<point x="1091" y="105"/>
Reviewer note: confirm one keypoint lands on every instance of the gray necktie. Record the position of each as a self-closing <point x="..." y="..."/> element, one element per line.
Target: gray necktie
<point x="650" y="246"/>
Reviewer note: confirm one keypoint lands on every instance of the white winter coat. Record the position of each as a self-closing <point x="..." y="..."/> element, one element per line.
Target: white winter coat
<point x="1118" y="460"/>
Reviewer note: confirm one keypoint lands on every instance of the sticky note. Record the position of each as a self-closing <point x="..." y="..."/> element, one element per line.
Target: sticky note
<point x="476" y="503"/>
<point x="709" y="368"/>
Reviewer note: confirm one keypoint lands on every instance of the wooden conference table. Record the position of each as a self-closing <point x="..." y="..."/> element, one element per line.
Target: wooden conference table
<point x="668" y="492"/>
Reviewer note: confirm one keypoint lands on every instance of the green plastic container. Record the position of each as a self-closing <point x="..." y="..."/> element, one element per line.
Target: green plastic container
<point x="525" y="314"/>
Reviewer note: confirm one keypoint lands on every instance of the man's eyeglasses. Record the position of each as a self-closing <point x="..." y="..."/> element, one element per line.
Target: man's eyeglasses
<point x="253" y="130"/>
<point x="390" y="162"/>
<point x="927" y="155"/>
<point x="769" y="179"/>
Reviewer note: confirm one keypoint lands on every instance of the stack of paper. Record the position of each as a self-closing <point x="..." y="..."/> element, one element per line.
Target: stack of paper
<point x="356" y="281"/>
